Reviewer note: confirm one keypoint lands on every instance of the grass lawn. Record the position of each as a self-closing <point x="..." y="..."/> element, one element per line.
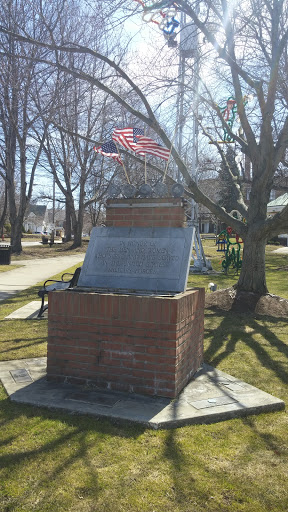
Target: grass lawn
<point x="6" y="268"/>
<point x="45" y="251"/>
<point x="51" y="461"/>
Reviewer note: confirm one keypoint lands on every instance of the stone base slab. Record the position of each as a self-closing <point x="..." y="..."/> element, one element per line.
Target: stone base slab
<point x="211" y="396"/>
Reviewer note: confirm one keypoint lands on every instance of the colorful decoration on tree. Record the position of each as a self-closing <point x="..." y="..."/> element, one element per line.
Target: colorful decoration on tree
<point x="163" y="15"/>
<point x="231" y="249"/>
<point x="229" y="114"/>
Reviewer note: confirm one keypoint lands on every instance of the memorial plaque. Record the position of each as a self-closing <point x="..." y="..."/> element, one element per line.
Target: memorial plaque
<point x="138" y="259"/>
<point x="213" y="402"/>
<point x="21" y="375"/>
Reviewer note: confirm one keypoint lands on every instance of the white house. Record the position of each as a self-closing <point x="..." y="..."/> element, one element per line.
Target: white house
<point x="276" y="206"/>
<point x="36" y="218"/>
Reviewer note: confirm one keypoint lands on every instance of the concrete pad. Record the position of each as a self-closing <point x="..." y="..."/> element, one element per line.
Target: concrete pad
<point x="28" y="312"/>
<point x="211" y="396"/>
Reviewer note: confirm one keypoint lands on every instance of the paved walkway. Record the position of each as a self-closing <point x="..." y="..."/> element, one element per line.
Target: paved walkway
<point x="29" y="244"/>
<point x="281" y="250"/>
<point x="33" y="271"/>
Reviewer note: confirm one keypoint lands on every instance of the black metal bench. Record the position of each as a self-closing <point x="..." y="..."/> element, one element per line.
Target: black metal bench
<point x="57" y="285"/>
<point x="47" y="241"/>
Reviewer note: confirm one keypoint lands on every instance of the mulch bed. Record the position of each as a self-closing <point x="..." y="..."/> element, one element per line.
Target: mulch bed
<point x="243" y="302"/>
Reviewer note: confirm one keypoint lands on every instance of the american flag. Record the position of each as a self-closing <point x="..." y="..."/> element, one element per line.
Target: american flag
<point x="147" y="145"/>
<point x="109" y="149"/>
<point x="127" y="137"/>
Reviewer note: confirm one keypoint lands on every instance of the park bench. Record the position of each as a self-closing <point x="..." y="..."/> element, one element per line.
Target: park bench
<point x="48" y="241"/>
<point x="64" y="284"/>
<point x="208" y="236"/>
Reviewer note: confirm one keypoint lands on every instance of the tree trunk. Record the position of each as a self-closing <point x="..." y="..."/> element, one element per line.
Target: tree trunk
<point x="252" y="276"/>
<point x="77" y="236"/>
<point x="77" y="230"/>
<point x="16" y="234"/>
<point x="68" y="231"/>
<point x="77" y="220"/>
<point x="16" y="222"/>
<point x="4" y="211"/>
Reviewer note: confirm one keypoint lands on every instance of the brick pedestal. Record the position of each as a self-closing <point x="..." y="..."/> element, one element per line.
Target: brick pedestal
<point x="142" y="344"/>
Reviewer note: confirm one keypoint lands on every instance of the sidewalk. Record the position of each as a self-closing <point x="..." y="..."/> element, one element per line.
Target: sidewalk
<point x="33" y="271"/>
<point x="29" y="244"/>
<point x="281" y="250"/>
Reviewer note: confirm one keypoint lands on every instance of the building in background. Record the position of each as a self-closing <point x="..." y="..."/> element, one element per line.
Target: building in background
<point x="276" y="206"/>
<point x="36" y="218"/>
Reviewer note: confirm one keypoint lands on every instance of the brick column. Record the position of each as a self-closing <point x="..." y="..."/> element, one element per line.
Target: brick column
<point x="158" y="212"/>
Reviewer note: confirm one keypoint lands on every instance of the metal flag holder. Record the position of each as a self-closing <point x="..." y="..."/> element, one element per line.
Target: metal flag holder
<point x="201" y="264"/>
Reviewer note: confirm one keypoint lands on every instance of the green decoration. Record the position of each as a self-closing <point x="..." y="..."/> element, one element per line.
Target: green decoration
<point x="232" y="256"/>
<point x="228" y="114"/>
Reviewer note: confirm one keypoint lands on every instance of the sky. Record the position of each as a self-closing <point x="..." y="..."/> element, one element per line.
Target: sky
<point x="148" y="49"/>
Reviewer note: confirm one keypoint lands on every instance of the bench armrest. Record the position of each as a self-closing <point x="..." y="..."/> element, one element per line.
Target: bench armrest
<point x="67" y="274"/>
<point x="51" y="281"/>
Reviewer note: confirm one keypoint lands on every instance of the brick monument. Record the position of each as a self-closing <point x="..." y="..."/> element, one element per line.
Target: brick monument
<point x="143" y="342"/>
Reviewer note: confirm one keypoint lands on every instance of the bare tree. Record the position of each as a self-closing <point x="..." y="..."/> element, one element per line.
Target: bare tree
<point x="248" y="49"/>
<point x="19" y="156"/>
<point x="3" y="206"/>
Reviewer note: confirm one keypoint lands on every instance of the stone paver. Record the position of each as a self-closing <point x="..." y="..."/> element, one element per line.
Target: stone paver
<point x="210" y="397"/>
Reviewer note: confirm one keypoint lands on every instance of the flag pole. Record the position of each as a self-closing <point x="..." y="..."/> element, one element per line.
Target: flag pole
<point x="172" y="142"/>
<point x="145" y="164"/>
<point x="122" y="164"/>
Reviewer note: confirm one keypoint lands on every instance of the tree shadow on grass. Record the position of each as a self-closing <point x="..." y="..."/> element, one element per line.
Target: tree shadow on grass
<point x="39" y="341"/>
<point x="67" y="451"/>
<point x="197" y="480"/>
<point x="242" y="328"/>
<point x="271" y="441"/>
<point x="200" y="468"/>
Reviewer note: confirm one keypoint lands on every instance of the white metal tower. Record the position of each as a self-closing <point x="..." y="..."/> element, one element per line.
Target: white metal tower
<point x="189" y="49"/>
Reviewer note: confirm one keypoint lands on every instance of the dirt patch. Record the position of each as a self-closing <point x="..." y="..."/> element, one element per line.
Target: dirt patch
<point x="229" y="299"/>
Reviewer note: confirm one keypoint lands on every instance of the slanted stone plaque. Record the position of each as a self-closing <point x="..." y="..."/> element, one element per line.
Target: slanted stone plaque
<point x="137" y="259"/>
